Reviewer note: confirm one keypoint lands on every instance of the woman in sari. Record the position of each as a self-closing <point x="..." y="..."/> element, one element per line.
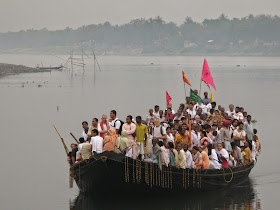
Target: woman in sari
<point x="110" y="140"/>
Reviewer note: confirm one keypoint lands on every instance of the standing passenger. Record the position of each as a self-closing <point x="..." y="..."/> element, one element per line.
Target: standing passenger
<point x="141" y="137"/>
<point x="130" y="128"/>
<point x="115" y="123"/>
<point x="103" y="126"/>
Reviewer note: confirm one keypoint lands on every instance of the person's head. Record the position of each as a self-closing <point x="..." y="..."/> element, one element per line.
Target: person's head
<point x="128" y="119"/>
<point x="73" y="146"/>
<point x="249" y="118"/>
<point x="191" y="106"/>
<point x="169" y="111"/>
<point x="215" y="133"/>
<point x="196" y="91"/>
<point x="81" y="140"/>
<point x="188" y="99"/>
<point x="206" y="101"/>
<point x="217" y="113"/>
<point x="160" y="113"/>
<point x="95" y="132"/>
<point x="184" y="127"/>
<point x="240" y="125"/>
<point x="168" y="130"/>
<point x="154" y="141"/>
<point x="206" y="94"/>
<point x="226" y="123"/>
<point x="213" y="104"/>
<point x="245" y="114"/>
<point x="219" y="126"/>
<point x="185" y="147"/>
<point x="200" y="148"/>
<point x="86" y="129"/>
<point x="179" y="146"/>
<point x="212" y="111"/>
<point x="196" y="128"/>
<point x="181" y="107"/>
<point x="219" y="107"/>
<point x="104" y="118"/>
<point x="246" y="144"/>
<point x="160" y="143"/>
<point x="156" y="108"/>
<point x="199" y="111"/>
<point x="235" y="123"/>
<point x="197" y="119"/>
<point x="138" y="119"/>
<point x="179" y="112"/>
<point x="94" y="122"/>
<point x="171" y="145"/>
<point x="113" y="114"/>
<point x="207" y="128"/>
<point x="157" y="122"/>
<point x="255" y="131"/>
<point x="195" y="149"/>
<point x="203" y="134"/>
<point x="241" y="109"/>
<point x="231" y="107"/>
<point x="85" y="124"/>
<point x="236" y="109"/>
<point x="222" y="110"/>
<point x="220" y="146"/>
<point x="242" y="148"/>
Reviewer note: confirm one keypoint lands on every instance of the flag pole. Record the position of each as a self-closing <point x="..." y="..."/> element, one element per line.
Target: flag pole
<point x="200" y="88"/>
<point x="185" y="90"/>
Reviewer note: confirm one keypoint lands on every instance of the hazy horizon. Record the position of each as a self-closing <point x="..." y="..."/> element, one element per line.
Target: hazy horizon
<point x="52" y="14"/>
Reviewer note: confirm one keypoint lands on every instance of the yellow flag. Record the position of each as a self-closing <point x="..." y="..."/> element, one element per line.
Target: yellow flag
<point x="211" y="97"/>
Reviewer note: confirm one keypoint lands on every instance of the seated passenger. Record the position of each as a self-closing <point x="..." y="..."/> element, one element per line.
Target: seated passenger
<point x="224" y="155"/>
<point x="96" y="142"/>
<point x="157" y="153"/>
<point x="214" y="161"/>
<point x="110" y="140"/>
<point x="181" y="157"/>
<point x="204" y="161"/>
<point x="248" y="154"/>
<point x="189" y="158"/>
<point x="196" y="156"/>
<point x="175" y="153"/>
<point x="123" y="145"/>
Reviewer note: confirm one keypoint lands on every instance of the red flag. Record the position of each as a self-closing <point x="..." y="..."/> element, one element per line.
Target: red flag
<point x="168" y="98"/>
<point x="206" y="75"/>
<point x="185" y="79"/>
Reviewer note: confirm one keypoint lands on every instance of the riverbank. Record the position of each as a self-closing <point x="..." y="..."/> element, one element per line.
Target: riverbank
<point x="10" y="69"/>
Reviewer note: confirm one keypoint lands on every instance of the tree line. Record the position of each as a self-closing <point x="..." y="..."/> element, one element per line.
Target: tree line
<point x="248" y="34"/>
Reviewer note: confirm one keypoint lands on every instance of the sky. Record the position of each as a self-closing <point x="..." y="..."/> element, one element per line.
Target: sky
<point x="18" y="15"/>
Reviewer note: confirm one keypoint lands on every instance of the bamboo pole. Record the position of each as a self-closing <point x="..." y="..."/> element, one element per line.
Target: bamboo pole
<point x="64" y="145"/>
<point x="200" y="88"/>
<point x="74" y="138"/>
<point x="71" y="179"/>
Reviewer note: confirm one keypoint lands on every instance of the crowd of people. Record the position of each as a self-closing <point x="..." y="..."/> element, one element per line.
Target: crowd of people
<point x="197" y="135"/>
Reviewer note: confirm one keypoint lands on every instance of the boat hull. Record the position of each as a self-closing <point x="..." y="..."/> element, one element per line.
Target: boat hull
<point x="114" y="172"/>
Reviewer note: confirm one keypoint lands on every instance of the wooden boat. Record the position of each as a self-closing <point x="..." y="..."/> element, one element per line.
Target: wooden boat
<point x="114" y="172"/>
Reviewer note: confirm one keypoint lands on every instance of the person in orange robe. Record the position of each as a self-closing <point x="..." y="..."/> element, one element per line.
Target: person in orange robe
<point x="204" y="159"/>
<point x="110" y="140"/>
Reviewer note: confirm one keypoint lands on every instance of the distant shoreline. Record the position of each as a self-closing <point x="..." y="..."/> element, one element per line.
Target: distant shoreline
<point x="11" y="69"/>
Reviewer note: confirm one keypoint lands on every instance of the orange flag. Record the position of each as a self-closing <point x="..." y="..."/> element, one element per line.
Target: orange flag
<point x="185" y="79"/>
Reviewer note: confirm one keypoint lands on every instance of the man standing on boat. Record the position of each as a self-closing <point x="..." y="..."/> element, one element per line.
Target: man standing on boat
<point x="115" y="123"/>
<point x="156" y="112"/>
<point x="248" y="128"/>
<point x="141" y="137"/>
<point x="93" y="126"/>
<point x="103" y="126"/>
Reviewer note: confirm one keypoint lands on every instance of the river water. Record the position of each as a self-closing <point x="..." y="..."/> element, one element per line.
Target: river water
<point x="34" y="171"/>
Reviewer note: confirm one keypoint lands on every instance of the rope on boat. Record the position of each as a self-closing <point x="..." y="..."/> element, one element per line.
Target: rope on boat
<point x="231" y="175"/>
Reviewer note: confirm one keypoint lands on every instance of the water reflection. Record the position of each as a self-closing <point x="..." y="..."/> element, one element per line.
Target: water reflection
<point x="241" y="197"/>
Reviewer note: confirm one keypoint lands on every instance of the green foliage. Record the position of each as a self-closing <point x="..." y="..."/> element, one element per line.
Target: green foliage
<point x="250" y="34"/>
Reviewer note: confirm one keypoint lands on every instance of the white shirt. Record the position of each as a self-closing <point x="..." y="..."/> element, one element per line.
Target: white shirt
<point x="230" y="114"/>
<point x="156" y="114"/>
<point x="208" y="106"/>
<point x="117" y="124"/>
<point x="97" y="144"/>
<point x="84" y="135"/>
<point x="192" y="113"/>
<point x="156" y="131"/>
<point x="149" y="117"/>
<point x="170" y="138"/>
<point x="189" y="160"/>
<point x="238" y="116"/>
<point x="104" y="127"/>
<point x="240" y="134"/>
<point x="196" y="138"/>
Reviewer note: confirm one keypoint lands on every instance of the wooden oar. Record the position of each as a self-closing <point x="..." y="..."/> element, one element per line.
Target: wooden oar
<point x="74" y="138"/>
<point x="71" y="179"/>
